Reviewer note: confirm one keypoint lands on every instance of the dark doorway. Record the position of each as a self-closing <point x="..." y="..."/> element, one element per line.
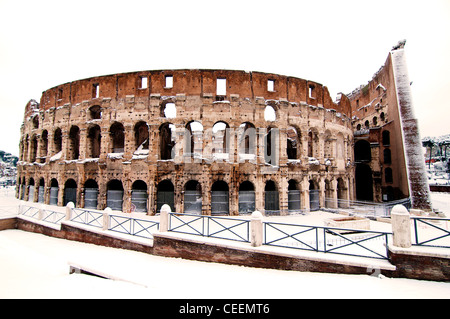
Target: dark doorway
<point x="193" y="198"/>
<point x="219" y="198"/>
<point x="70" y="192"/>
<point x="165" y="195"/>
<point x="271" y="199"/>
<point x="246" y="198"/>
<point x="364" y="182"/>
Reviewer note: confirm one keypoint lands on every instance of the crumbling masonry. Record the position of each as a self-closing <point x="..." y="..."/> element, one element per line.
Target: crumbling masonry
<point x="213" y="142"/>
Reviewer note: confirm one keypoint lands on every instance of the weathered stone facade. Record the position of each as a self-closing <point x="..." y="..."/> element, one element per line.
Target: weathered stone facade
<point x="100" y="141"/>
<point x="389" y="162"/>
<point x="217" y="142"/>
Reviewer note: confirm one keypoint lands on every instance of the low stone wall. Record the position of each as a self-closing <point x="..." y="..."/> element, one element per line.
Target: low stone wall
<point x="169" y="246"/>
<point x="405" y="262"/>
<point x="82" y="235"/>
<point x="415" y="264"/>
<point x="9" y="223"/>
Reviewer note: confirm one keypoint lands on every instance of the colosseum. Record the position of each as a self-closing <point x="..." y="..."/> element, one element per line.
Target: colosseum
<point x="212" y="142"/>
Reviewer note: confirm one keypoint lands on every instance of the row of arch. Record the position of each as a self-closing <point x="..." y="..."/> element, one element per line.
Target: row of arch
<point x="39" y="147"/>
<point x="192" y="195"/>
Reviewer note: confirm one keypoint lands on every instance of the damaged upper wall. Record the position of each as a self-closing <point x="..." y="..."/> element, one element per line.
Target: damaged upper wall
<point x="193" y="82"/>
<point x="384" y="105"/>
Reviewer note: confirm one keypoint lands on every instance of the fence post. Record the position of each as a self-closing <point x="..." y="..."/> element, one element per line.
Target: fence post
<point x="105" y="218"/>
<point x="256" y="229"/>
<point x="41" y="212"/>
<point x="164" y="218"/>
<point x="69" y="208"/>
<point x="401" y="226"/>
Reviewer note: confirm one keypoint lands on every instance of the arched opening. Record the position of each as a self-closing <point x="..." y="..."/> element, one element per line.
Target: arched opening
<point x="95" y="112"/>
<point x="44" y="146"/>
<point x="219" y="198"/>
<point x="114" y="195"/>
<point x="270" y="114"/>
<point x="193" y="139"/>
<point x="193" y="197"/>
<point x="271" y="199"/>
<point x="141" y="136"/>
<point x="139" y="196"/>
<point x="54" y="190"/>
<point x="57" y="140"/>
<point x="90" y="194"/>
<point x="386" y="138"/>
<point x="94" y="141"/>
<point x="35" y="121"/>
<point x="247" y="141"/>
<point x="70" y="192"/>
<point x="294" y="197"/>
<point x="364" y="183"/>
<point x="293" y="147"/>
<point x="117" y="133"/>
<point x="271" y="146"/>
<point x="74" y="143"/>
<point x="165" y="195"/>
<point x="168" y="110"/>
<point x="220" y="140"/>
<point x="167" y="141"/>
<point x="314" y="202"/>
<point x="246" y="198"/>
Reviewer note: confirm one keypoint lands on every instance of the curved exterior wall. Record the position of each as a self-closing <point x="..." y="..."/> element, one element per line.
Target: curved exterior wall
<point x="111" y="141"/>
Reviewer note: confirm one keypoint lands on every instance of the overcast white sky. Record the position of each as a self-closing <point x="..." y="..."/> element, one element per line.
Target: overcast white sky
<point x="340" y="44"/>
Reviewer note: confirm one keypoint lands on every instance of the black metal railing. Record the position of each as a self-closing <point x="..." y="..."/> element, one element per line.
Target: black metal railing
<point x="132" y="226"/>
<point x="87" y="217"/>
<point x="431" y="231"/>
<point x="362" y="243"/>
<point x="210" y="226"/>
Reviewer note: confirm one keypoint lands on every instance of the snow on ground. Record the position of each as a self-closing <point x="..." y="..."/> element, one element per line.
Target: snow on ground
<point x="37" y="266"/>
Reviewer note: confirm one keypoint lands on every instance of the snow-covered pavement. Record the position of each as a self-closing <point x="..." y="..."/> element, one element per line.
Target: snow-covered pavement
<point x="37" y="266"/>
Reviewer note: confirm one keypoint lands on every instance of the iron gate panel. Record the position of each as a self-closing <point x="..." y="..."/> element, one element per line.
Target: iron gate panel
<point x="294" y="201"/>
<point x="246" y="202"/>
<point x="314" y="199"/>
<point x="219" y="202"/>
<point x="193" y="202"/>
<point x="114" y="199"/>
<point x="90" y="198"/>
<point x="139" y="200"/>
<point x="271" y="205"/>
<point x="54" y="195"/>
<point x="165" y="198"/>
<point x="70" y="195"/>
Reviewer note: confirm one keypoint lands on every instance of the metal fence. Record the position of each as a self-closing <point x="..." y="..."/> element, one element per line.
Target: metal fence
<point x="45" y="215"/>
<point x="431" y="232"/>
<point x="87" y="217"/>
<point x="369" y="209"/>
<point x="210" y="226"/>
<point x="132" y="226"/>
<point x="343" y="241"/>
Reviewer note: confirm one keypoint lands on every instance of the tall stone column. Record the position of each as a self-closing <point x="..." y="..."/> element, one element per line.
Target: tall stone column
<point x="415" y="164"/>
